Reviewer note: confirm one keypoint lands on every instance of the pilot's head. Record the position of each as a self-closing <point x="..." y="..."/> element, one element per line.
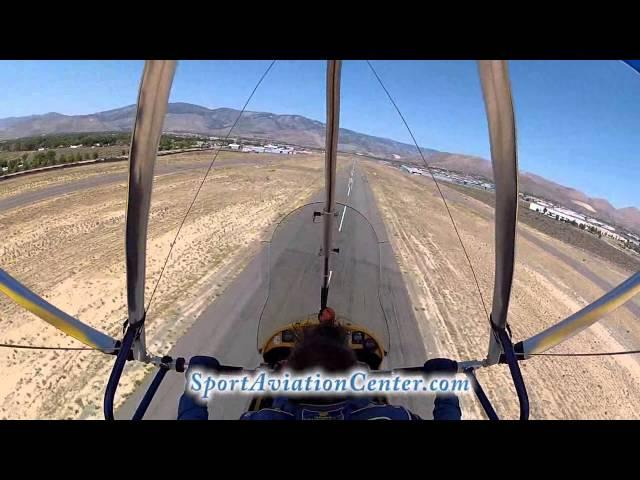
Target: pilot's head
<point x="325" y="347"/>
<point x="327" y="316"/>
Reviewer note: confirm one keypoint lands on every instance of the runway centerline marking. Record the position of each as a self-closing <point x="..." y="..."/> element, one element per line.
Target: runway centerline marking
<point x="344" y="210"/>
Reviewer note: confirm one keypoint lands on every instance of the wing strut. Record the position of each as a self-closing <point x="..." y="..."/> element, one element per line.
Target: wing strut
<point x="496" y="90"/>
<point x="153" y="99"/>
<point x="64" y="322"/>
<point x="331" y="151"/>
<point x="580" y="320"/>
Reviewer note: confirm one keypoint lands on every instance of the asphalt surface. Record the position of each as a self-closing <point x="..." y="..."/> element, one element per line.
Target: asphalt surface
<point x="632" y="306"/>
<point x="230" y="327"/>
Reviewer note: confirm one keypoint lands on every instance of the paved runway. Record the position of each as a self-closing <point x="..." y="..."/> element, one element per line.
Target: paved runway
<point x="229" y="328"/>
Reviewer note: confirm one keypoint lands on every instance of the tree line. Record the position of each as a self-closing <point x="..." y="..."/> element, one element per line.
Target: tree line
<point x="44" y="159"/>
<point x="64" y="140"/>
<point x="174" y="142"/>
<point x="167" y="142"/>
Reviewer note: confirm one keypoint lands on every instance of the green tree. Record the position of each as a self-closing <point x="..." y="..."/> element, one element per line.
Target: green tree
<point x="95" y="155"/>
<point x="42" y="159"/>
<point x="51" y="157"/>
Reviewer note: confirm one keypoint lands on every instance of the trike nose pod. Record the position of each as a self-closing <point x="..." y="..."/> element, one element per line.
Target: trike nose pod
<point x="296" y="267"/>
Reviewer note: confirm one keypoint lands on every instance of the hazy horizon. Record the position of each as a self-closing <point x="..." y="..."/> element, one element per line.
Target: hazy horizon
<point x="576" y="120"/>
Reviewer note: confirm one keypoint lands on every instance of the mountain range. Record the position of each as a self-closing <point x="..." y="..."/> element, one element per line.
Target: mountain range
<point x="299" y="130"/>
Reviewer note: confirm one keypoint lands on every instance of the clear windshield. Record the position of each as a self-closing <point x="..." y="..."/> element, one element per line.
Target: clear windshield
<point x="296" y="269"/>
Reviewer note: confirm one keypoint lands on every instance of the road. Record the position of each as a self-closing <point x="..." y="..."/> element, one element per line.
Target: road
<point x="229" y="327"/>
<point x="163" y="167"/>
<point x="633" y="306"/>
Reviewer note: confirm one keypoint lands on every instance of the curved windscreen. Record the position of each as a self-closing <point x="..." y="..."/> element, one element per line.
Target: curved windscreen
<point x="296" y="267"/>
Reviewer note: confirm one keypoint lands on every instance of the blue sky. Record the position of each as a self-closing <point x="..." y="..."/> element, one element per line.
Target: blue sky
<point x="577" y="121"/>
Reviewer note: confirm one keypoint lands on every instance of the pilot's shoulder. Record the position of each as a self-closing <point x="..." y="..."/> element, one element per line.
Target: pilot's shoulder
<point x="267" y="414"/>
<point x="375" y="411"/>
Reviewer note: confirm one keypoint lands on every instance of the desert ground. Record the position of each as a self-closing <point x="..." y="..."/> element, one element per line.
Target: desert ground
<point x="70" y="248"/>
<point x="547" y="288"/>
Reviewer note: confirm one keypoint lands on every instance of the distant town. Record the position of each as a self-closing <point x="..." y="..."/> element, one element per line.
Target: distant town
<point x="247" y="145"/>
<point x="542" y="206"/>
<point x="33" y="154"/>
<point x="443" y="175"/>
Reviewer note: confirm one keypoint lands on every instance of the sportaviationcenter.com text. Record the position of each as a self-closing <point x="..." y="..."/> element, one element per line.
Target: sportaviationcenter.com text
<point x="203" y="385"/>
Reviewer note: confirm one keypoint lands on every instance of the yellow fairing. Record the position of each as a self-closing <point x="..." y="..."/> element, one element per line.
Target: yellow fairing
<point x="275" y="340"/>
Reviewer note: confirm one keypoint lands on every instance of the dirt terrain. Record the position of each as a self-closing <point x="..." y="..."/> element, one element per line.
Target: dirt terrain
<point x="546" y="289"/>
<point x="70" y="249"/>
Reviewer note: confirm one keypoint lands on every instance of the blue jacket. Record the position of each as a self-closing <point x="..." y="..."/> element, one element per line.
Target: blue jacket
<point x="446" y="407"/>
